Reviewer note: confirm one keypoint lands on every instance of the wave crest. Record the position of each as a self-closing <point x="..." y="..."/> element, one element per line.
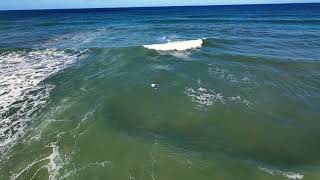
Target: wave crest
<point x="176" y="46"/>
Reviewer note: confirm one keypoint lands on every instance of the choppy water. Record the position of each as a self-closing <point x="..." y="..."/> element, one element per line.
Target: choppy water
<point x="226" y="92"/>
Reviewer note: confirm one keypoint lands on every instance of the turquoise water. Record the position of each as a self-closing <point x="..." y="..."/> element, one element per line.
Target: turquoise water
<point x="83" y="96"/>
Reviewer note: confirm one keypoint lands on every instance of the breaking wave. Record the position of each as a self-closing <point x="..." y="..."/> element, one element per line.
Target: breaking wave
<point x="176" y="46"/>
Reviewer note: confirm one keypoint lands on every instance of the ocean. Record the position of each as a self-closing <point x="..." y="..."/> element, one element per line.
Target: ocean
<point x="162" y="93"/>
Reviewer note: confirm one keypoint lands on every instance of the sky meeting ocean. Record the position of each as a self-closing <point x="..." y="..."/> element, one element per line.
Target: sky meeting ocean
<point x="162" y="93"/>
<point x="62" y="4"/>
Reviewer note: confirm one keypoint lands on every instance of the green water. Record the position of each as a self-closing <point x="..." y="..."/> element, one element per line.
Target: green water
<point x="81" y="98"/>
<point x="104" y="121"/>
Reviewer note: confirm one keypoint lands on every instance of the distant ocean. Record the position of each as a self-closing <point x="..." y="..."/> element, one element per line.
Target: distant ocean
<point x="171" y="93"/>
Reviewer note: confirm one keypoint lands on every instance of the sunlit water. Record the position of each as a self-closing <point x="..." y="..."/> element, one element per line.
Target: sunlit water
<point x="226" y="92"/>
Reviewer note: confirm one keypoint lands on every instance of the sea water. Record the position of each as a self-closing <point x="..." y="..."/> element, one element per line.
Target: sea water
<point x="210" y="92"/>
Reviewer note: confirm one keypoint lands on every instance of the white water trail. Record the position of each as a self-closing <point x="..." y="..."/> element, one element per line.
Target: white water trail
<point x="289" y="175"/>
<point x="22" y="92"/>
<point x="53" y="166"/>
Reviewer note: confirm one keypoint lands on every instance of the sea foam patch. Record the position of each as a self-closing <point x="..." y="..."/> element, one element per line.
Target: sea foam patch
<point x="205" y="98"/>
<point x="176" y="46"/>
<point x="289" y="175"/>
<point x="53" y="166"/>
<point x="76" y="39"/>
<point x="227" y="75"/>
<point x="21" y="92"/>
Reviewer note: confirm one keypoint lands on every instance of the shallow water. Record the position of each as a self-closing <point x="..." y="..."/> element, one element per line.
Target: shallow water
<point x="82" y="98"/>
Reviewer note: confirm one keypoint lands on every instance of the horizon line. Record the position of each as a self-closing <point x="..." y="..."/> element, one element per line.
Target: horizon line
<point x="168" y="6"/>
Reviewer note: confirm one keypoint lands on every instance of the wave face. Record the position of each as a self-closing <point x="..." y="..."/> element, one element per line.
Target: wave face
<point x="211" y="92"/>
<point x="176" y="46"/>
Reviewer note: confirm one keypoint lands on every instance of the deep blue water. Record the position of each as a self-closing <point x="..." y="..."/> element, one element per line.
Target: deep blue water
<point x="135" y="26"/>
<point x="83" y="97"/>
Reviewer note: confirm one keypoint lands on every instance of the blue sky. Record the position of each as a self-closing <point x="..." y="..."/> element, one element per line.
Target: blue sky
<point x="55" y="4"/>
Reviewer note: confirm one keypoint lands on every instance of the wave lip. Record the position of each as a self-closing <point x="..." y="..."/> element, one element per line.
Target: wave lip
<point x="176" y="46"/>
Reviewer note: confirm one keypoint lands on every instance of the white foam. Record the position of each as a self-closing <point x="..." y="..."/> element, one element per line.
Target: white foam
<point x="154" y="86"/>
<point x="162" y="67"/>
<point x="21" y="90"/>
<point x="73" y="39"/>
<point x="53" y="166"/>
<point x="57" y="164"/>
<point x="176" y="46"/>
<point x="104" y="164"/>
<point x="227" y="75"/>
<point x="206" y="97"/>
<point x="239" y="99"/>
<point x="169" y="38"/>
<point x="289" y="175"/>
